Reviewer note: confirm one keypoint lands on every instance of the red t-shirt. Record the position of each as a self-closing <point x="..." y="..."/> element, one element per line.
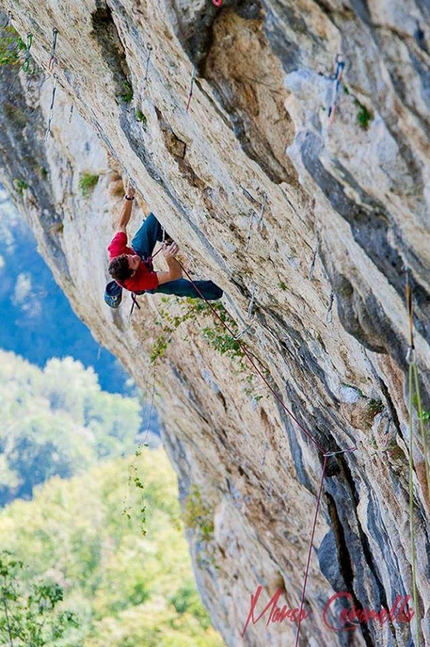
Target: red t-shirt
<point x="143" y="279"/>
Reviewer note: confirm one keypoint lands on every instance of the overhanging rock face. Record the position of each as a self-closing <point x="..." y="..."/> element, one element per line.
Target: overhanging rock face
<point x="319" y="220"/>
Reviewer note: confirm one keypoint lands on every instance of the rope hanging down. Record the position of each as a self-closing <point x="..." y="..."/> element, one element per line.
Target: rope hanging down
<point x="305" y="431"/>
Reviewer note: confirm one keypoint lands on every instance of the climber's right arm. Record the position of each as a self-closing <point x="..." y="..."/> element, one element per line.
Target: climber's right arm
<point x="175" y="271"/>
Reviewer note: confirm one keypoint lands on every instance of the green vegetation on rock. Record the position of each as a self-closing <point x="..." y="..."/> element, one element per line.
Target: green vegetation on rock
<point x="87" y="183"/>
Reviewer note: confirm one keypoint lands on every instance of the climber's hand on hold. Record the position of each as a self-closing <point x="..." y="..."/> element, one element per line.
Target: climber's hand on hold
<point x="170" y="251"/>
<point x="175" y="270"/>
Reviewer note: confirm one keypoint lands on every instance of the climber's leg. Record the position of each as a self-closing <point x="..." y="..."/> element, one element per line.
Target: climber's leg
<point x="184" y="288"/>
<point x="149" y="233"/>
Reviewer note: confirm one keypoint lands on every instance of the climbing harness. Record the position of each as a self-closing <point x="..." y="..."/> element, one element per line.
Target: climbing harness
<point x="51" y="109"/>
<point x="53" y="59"/>
<point x="190" y="94"/>
<point x="340" y="66"/>
<point x="27" y="57"/>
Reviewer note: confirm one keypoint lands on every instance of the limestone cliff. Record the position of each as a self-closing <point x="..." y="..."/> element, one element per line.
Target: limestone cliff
<point x="316" y="219"/>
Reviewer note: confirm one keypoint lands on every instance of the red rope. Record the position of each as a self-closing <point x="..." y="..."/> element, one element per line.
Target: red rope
<point x="317" y="445"/>
<point x="256" y="368"/>
<point x="310" y="551"/>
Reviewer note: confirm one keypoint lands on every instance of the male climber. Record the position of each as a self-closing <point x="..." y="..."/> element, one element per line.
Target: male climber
<point x="132" y="270"/>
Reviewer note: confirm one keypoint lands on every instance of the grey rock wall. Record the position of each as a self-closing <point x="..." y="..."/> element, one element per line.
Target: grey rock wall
<point x="320" y="219"/>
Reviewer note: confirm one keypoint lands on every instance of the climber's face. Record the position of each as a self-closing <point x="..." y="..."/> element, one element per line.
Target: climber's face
<point x="133" y="261"/>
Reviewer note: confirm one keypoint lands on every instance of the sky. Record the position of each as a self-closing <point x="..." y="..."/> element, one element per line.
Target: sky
<point x="37" y="321"/>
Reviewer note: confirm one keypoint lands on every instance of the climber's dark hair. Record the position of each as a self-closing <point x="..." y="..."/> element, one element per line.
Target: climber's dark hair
<point x="119" y="269"/>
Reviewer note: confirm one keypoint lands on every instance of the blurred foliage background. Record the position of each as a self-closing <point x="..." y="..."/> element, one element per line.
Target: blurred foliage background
<point x="68" y="465"/>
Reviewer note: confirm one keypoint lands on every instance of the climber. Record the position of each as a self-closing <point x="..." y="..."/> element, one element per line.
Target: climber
<point x="132" y="269"/>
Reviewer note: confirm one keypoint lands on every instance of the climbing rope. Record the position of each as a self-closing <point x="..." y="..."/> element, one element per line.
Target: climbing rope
<point x="303" y="429"/>
<point x="190" y="94"/>
<point x="251" y="360"/>
<point x="340" y="66"/>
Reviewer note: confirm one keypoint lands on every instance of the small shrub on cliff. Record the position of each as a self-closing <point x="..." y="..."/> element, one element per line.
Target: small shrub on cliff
<point x="87" y="183"/>
<point x="364" y="116"/>
<point x="127" y="92"/>
<point x="198" y="515"/>
<point x="20" y="185"/>
<point x="11" y="46"/>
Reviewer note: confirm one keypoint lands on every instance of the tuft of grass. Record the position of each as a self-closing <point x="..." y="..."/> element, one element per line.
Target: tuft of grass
<point x="364" y="116"/>
<point x="140" y="117"/>
<point x="198" y="515"/>
<point x="159" y="347"/>
<point x="20" y="185"/>
<point x="375" y="406"/>
<point x="87" y="182"/>
<point x="283" y="286"/>
<point x="127" y="92"/>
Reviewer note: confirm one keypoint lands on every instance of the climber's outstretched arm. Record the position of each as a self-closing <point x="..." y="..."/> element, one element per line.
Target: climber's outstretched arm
<point x="125" y="215"/>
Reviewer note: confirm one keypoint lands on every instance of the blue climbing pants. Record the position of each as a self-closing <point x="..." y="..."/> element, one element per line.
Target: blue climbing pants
<point x="143" y="244"/>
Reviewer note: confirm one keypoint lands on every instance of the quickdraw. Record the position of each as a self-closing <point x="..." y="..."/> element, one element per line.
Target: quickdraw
<point x="51" y="109"/>
<point x="148" y="59"/>
<point x="51" y="66"/>
<point x="53" y="59"/>
<point x="193" y="76"/>
<point x="27" y="57"/>
<point x="340" y="66"/>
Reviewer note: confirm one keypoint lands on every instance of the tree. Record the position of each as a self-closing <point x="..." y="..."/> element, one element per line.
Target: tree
<point x="29" y="618"/>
